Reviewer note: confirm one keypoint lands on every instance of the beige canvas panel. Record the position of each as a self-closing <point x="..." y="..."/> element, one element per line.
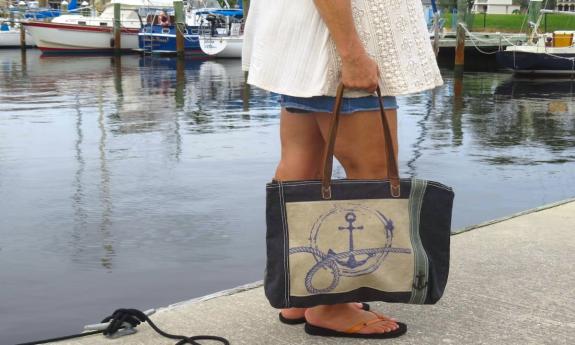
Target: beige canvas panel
<point x="318" y="226"/>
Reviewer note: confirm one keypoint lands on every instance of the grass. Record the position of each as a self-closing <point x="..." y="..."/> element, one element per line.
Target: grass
<point x="514" y="22"/>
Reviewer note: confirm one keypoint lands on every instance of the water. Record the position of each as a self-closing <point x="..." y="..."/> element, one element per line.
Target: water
<point x="140" y="182"/>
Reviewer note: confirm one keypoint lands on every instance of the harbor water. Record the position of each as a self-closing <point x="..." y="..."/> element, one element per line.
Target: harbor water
<point x="139" y="182"/>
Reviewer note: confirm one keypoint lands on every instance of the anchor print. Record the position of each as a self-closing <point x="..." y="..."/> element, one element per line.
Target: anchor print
<point x="351" y="262"/>
<point x="346" y="263"/>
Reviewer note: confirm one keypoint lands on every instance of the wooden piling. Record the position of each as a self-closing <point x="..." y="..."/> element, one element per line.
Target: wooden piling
<point x="180" y="27"/>
<point x="22" y="11"/>
<point x="117" y="29"/>
<point x="436" y="32"/>
<point x="22" y="37"/>
<point x="180" y="93"/>
<point x="246" y="89"/>
<point x="42" y="3"/>
<point x="117" y="65"/>
<point x="460" y="47"/>
<point x="11" y="19"/>
<point x="246" y="93"/>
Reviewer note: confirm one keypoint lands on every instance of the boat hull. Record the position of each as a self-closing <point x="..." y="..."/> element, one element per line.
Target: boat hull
<point x="522" y="62"/>
<point x="11" y="39"/>
<point x="156" y="39"/>
<point x="229" y="47"/>
<point x="72" y="38"/>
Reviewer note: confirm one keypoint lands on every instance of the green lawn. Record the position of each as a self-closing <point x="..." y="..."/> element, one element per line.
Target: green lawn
<point x="513" y="22"/>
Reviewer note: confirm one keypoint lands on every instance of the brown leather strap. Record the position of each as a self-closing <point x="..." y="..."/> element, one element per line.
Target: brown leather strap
<point x="391" y="159"/>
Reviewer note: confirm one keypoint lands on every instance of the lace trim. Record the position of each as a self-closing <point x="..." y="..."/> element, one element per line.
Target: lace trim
<point x="397" y="40"/>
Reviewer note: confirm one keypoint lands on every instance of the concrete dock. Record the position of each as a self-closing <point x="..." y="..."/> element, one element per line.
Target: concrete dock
<point x="512" y="281"/>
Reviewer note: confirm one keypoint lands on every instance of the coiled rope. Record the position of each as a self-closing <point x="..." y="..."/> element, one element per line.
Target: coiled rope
<point x="129" y="318"/>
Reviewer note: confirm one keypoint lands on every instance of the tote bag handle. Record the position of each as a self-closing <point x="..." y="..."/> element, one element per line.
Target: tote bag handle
<point x="391" y="159"/>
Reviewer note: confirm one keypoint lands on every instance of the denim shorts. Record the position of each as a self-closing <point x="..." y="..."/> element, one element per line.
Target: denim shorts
<point x="325" y="104"/>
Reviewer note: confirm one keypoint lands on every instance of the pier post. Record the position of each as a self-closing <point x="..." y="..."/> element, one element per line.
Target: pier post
<point x="436" y="32"/>
<point x="180" y="27"/>
<point x="246" y="89"/>
<point x="180" y="93"/>
<point x="22" y="9"/>
<point x="460" y="48"/>
<point x="246" y="93"/>
<point x="117" y="29"/>
<point x="11" y="18"/>
<point x="22" y="37"/>
<point x="43" y="3"/>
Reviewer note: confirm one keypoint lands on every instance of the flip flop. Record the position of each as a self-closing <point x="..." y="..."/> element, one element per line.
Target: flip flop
<point x="352" y="332"/>
<point x="301" y="320"/>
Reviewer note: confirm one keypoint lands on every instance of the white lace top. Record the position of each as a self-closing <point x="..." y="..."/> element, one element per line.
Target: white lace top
<point x="288" y="50"/>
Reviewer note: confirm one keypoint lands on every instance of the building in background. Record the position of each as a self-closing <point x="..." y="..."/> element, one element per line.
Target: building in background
<point x="565" y="5"/>
<point x="495" y="6"/>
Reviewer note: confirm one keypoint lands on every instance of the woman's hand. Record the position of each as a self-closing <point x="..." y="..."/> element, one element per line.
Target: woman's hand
<point x="360" y="71"/>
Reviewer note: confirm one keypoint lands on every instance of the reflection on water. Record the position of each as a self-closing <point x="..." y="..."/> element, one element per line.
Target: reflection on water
<point x="147" y="174"/>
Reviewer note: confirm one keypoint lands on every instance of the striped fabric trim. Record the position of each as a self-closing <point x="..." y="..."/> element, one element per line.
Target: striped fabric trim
<point x="421" y="263"/>
<point x="286" y="245"/>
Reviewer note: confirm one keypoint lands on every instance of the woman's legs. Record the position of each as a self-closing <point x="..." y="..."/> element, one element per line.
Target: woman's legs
<point x="360" y="145"/>
<point x="302" y="148"/>
<point x="360" y="148"/>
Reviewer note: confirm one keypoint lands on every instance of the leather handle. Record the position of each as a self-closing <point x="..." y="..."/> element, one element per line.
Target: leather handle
<point x="391" y="158"/>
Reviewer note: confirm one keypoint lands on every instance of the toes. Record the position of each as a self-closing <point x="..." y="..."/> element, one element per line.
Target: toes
<point x="376" y="329"/>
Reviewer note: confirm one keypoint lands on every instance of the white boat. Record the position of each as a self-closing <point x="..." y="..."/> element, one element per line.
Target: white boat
<point x="211" y="29"/>
<point x="225" y="44"/>
<point x="222" y="46"/>
<point x="546" y="53"/>
<point x="10" y="37"/>
<point x="75" y="33"/>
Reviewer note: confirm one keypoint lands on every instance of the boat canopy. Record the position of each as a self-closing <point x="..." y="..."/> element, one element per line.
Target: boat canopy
<point x="236" y="13"/>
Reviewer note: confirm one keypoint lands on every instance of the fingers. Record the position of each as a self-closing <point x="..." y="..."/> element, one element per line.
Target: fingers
<point x="361" y="73"/>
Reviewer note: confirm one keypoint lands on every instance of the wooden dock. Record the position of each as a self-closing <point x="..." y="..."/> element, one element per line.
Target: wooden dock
<point x="488" y="41"/>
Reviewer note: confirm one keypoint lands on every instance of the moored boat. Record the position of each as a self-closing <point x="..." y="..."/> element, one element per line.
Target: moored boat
<point x="205" y="22"/>
<point x="543" y="54"/>
<point x="75" y="33"/>
<point x="229" y="46"/>
<point x="10" y="36"/>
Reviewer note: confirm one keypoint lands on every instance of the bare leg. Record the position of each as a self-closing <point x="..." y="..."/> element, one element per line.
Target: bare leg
<point x="360" y="148"/>
<point x="302" y="146"/>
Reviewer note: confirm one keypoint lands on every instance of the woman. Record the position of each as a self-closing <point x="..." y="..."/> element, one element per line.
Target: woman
<point x="302" y="49"/>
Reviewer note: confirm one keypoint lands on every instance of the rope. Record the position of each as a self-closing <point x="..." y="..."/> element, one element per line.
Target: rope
<point x="471" y="38"/>
<point x="123" y="319"/>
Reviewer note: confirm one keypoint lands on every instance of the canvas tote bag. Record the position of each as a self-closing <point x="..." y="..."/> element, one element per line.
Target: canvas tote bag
<point x="339" y="241"/>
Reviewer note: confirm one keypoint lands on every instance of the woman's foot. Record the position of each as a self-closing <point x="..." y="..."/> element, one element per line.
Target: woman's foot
<point x="299" y="313"/>
<point x="343" y="317"/>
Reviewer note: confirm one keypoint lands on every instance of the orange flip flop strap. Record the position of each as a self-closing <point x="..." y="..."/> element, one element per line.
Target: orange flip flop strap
<point x="363" y="324"/>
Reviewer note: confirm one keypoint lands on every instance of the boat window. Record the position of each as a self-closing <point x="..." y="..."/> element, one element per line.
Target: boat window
<point x="103" y="24"/>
